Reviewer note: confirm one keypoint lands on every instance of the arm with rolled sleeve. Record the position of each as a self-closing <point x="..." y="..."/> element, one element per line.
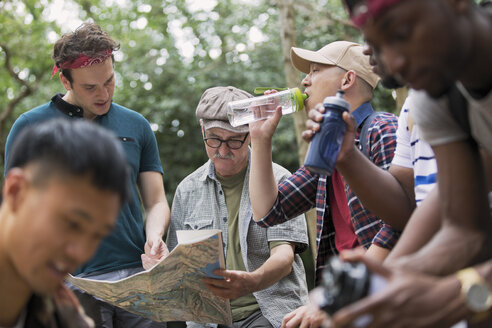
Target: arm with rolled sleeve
<point x="296" y="195"/>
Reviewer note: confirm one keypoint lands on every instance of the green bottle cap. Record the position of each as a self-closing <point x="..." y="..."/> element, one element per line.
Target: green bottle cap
<point x="299" y="98"/>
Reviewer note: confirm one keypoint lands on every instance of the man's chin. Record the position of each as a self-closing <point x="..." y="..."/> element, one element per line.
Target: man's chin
<point x="437" y="93"/>
<point x="390" y="82"/>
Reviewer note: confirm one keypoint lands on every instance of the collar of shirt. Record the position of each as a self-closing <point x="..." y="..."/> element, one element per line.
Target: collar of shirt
<point x="65" y="107"/>
<point x="361" y="113"/>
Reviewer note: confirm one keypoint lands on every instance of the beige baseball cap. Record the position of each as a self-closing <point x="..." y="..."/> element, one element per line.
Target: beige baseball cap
<point x="344" y="54"/>
<point x="212" y="108"/>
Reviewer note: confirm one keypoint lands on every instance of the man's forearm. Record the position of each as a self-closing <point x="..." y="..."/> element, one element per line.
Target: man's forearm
<point x="157" y="222"/>
<point x="451" y="249"/>
<point x="422" y="226"/>
<point x="278" y="265"/>
<point x="380" y="191"/>
<point x="263" y="188"/>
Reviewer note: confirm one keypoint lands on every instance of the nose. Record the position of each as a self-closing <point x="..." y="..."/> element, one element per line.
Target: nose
<point x="223" y="149"/>
<point x="306" y="81"/>
<point x="103" y="92"/>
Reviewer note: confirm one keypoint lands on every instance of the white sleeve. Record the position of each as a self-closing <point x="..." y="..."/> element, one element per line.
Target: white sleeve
<point x="435" y="120"/>
<point x="403" y="153"/>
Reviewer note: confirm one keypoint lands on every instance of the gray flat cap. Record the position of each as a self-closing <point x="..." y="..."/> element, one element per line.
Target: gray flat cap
<point x="212" y="108"/>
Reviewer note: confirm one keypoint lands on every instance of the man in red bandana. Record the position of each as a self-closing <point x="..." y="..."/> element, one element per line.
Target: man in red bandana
<point x="85" y="63"/>
<point x="441" y="48"/>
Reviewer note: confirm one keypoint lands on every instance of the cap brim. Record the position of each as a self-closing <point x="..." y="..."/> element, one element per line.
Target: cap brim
<point x="302" y="59"/>
<point x="209" y="124"/>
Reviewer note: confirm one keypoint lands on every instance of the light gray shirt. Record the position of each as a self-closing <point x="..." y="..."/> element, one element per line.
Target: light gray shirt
<point x="440" y="127"/>
<point x="199" y="203"/>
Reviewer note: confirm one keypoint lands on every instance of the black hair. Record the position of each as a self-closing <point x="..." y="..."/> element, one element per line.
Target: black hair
<point x="73" y="147"/>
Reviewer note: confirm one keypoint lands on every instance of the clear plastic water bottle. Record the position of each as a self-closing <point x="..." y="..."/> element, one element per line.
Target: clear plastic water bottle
<point x="253" y="109"/>
<point x="324" y="147"/>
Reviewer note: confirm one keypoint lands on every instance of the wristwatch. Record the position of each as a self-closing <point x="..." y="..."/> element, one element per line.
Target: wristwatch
<point x="475" y="291"/>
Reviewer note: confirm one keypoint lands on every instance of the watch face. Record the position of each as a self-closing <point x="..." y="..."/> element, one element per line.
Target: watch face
<point x="478" y="298"/>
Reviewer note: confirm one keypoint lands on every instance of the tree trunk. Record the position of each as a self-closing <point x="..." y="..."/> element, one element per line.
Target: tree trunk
<point x="288" y="35"/>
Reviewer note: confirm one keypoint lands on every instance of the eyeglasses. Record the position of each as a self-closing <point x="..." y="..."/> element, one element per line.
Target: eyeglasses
<point x="231" y="143"/>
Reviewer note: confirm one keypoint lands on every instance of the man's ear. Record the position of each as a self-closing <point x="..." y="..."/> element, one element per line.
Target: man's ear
<point x="14" y="188"/>
<point x="66" y="83"/>
<point x="348" y="80"/>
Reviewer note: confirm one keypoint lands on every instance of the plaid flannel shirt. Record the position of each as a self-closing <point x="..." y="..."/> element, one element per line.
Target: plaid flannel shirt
<point x="297" y="194"/>
<point x="303" y="191"/>
<point x="380" y="147"/>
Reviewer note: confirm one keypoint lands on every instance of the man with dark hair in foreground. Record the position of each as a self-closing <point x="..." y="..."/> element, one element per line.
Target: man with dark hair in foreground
<point x="64" y="184"/>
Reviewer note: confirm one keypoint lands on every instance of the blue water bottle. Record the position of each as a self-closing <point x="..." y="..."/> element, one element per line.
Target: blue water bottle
<point x="324" y="147"/>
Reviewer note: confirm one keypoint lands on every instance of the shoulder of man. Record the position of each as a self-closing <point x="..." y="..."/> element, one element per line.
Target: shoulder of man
<point x="122" y="110"/>
<point x="34" y="115"/>
<point x="378" y="126"/>
<point x="384" y="118"/>
<point x="379" y="119"/>
<point x="382" y="124"/>
<point x="195" y="177"/>
<point x="38" y="114"/>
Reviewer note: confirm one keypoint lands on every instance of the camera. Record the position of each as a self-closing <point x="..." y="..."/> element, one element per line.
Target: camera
<point x="342" y="283"/>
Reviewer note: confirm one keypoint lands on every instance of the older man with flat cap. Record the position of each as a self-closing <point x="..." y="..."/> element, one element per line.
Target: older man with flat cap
<point x="342" y="221"/>
<point x="264" y="276"/>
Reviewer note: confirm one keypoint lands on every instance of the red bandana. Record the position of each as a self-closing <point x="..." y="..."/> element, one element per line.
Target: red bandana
<point x="361" y="11"/>
<point x="83" y="61"/>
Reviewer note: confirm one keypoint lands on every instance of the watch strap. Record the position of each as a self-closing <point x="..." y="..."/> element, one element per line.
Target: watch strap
<point x="469" y="278"/>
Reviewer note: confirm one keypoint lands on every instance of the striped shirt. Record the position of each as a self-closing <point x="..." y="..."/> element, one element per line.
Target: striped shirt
<point x="413" y="152"/>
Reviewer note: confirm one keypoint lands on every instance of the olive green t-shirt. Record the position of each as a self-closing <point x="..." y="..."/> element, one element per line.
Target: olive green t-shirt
<point x="232" y="187"/>
<point x="246" y="305"/>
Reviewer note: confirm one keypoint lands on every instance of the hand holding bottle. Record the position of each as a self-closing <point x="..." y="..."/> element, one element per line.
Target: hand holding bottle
<point x="262" y="130"/>
<point x="313" y="125"/>
<point x="325" y="146"/>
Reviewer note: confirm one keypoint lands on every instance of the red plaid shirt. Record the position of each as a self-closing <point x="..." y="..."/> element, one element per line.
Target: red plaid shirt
<point x="303" y="191"/>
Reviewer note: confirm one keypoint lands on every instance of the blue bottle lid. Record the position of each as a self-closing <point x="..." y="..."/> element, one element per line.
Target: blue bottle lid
<point x="337" y="100"/>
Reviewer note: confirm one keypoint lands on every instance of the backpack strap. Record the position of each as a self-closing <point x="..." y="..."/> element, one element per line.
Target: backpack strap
<point x="458" y="106"/>
<point x="363" y="144"/>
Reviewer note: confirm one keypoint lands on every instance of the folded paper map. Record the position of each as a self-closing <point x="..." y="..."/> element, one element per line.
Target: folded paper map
<point x="173" y="289"/>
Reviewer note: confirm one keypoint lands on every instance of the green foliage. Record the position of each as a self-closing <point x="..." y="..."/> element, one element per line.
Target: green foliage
<point x="171" y="51"/>
<point x="24" y="36"/>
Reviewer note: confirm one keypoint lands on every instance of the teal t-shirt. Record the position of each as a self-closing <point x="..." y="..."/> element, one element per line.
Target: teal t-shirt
<point x="123" y="246"/>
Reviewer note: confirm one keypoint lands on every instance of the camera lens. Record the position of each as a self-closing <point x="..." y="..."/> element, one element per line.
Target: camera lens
<point x="343" y="283"/>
